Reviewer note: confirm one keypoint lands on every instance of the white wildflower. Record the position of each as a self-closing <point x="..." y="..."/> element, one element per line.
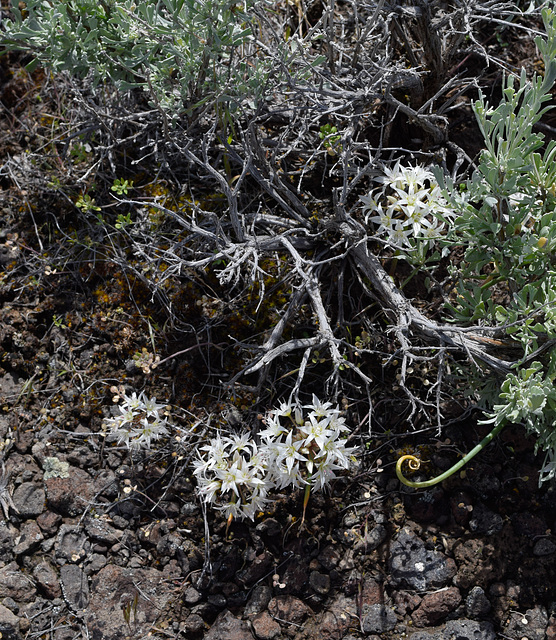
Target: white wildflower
<point x="133" y="402"/>
<point x="235" y="475"/>
<point x="137" y="422"/>
<point x="316" y="431"/>
<point x="146" y="431"/>
<point x="407" y="207"/>
<point x="231" y="476"/>
<point x="384" y="219"/>
<point x="274" y="428"/>
<point x="400" y="234"/>
<point x="319" y="409"/>
<point x="288" y="453"/>
<point x="151" y="407"/>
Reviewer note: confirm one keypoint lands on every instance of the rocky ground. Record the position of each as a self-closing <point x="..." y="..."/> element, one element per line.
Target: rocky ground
<point x="98" y="543"/>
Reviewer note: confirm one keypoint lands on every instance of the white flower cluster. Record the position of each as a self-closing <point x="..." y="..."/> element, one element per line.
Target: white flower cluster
<point x="409" y="206"/>
<point x="231" y="475"/>
<point x="140" y="421"/>
<point x="306" y="450"/>
<point x="236" y="475"/>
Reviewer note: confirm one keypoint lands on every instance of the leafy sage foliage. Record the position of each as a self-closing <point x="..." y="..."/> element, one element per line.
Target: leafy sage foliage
<point x="506" y="225"/>
<point x="183" y="52"/>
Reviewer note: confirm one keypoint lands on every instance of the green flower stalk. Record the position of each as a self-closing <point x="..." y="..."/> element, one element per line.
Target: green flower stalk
<point x="414" y="463"/>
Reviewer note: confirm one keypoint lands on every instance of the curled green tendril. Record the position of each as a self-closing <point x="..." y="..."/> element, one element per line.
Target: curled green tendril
<point x="414" y="463"/>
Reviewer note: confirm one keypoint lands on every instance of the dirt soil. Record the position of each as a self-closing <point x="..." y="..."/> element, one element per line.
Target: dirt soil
<point x="98" y="543"/>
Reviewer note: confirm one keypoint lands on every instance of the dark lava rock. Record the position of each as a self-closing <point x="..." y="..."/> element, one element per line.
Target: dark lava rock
<point x="193" y="624"/>
<point x="72" y="494"/>
<point x="14" y="584"/>
<point x="485" y="521"/>
<point x="378" y="618"/>
<point x="75" y="587"/>
<point x="329" y="557"/>
<point x="320" y="582"/>
<point x="265" y="627"/>
<point x="436" y="606"/>
<point x="71" y="543"/>
<point x="29" y="499"/>
<point x="113" y="590"/>
<point x="425" y="635"/>
<point x="259" y="600"/>
<point x="334" y="622"/>
<point x="459" y="630"/>
<point x="468" y="630"/>
<point x="531" y="625"/>
<point x="372" y="540"/>
<point x="47" y="580"/>
<point x="270" y="528"/>
<point x="461" y="505"/>
<point x="29" y="538"/>
<point x="101" y="531"/>
<point x="258" y="567"/>
<point x="544" y="547"/>
<point x="369" y="591"/>
<point x="7" y="534"/>
<point x="483" y="480"/>
<point x="406" y="601"/>
<point x="191" y="596"/>
<point x="415" y="566"/>
<point x="49" y="522"/>
<point x="295" y="576"/>
<point x="228" y="627"/>
<point x="477" y="604"/>
<point x="478" y="563"/>
<point x="9" y="624"/>
<point x="106" y="484"/>
<point x="169" y="545"/>
<point x="289" y="609"/>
